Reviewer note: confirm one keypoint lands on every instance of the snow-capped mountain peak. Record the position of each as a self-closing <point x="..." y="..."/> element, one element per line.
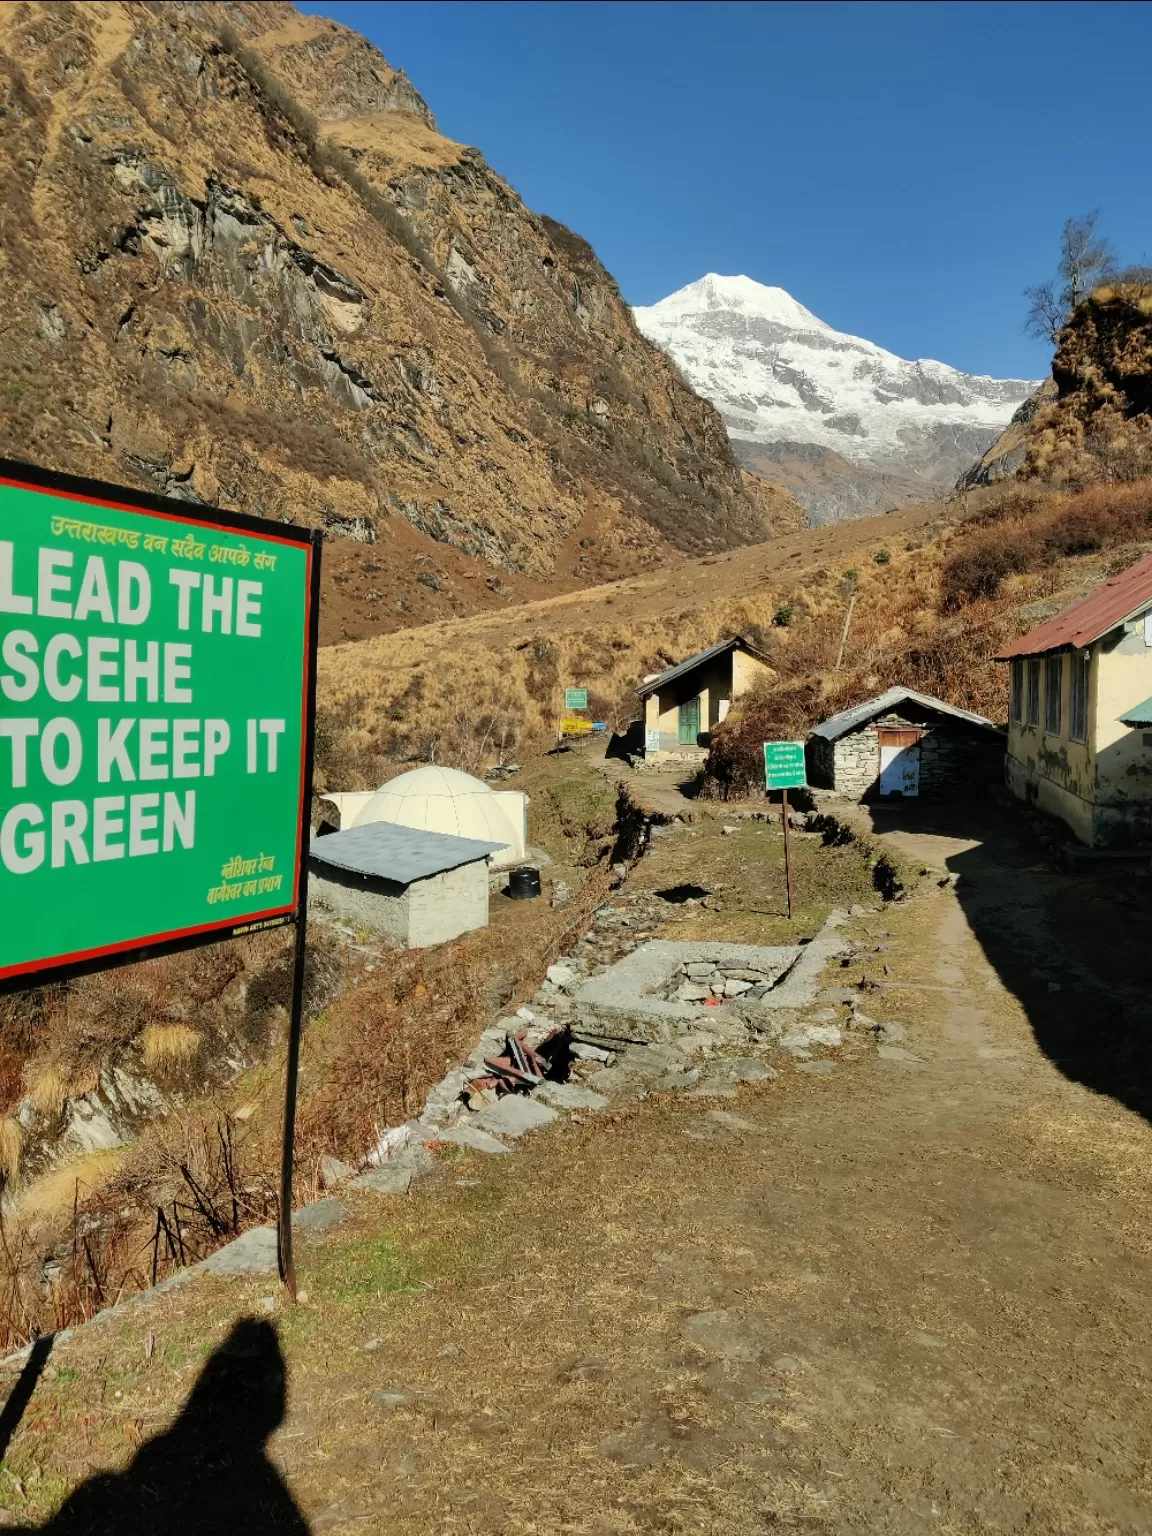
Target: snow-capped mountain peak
<point x="783" y="379"/>
<point x="736" y="295"/>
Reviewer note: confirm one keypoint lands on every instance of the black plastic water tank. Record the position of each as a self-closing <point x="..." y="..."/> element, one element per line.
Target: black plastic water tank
<point x="524" y="883"/>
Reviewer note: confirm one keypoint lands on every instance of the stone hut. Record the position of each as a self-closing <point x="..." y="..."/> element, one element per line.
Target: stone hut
<point x="907" y="744"/>
<point x="414" y="887"/>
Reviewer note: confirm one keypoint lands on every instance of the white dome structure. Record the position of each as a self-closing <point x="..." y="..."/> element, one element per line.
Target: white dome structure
<point x="436" y="799"/>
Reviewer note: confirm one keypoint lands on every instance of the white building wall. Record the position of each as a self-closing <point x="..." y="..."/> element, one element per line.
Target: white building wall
<point x="415" y="916"/>
<point x="367" y="908"/>
<point x="447" y="905"/>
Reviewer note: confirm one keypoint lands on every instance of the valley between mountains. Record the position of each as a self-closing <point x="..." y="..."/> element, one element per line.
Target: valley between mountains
<point x="880" y="1269"/>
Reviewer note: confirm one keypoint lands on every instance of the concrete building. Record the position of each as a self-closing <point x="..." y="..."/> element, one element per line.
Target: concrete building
<point x="904" y="743"/>
<point x="1077" y="746"/>
<point x="683" y="704"/>
<point x="413" y="887"/>
<point x="436" y="799"/>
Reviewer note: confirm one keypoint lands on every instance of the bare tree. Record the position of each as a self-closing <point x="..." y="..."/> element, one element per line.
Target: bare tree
<point x="1086" y="258"/>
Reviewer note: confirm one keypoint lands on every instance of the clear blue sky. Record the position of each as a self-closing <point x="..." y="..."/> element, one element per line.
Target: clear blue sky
<point x="902" y="169"/>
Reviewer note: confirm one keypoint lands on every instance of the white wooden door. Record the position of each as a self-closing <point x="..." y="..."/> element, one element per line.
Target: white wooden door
<point x="899" y="762"/>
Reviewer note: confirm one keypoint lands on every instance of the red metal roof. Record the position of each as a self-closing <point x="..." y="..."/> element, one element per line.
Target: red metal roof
<point x="1118" y="599"/>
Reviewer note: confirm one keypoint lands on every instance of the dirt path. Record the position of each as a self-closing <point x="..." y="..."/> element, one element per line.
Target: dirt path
<point x="911" y="1295"/>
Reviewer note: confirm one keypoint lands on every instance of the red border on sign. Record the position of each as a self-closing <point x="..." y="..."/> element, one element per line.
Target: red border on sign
<point x="123" y="506"/>
<point x="79" y="956"/>
<point x="49" y="965"/>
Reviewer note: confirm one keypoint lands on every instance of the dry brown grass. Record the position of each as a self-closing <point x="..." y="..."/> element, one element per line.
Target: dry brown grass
<point x="651" y="1214"/>
<point x="1019" y="535"/>
<point x="60" y="1037"/>
<point x="44" y="1204"/>
<point x="449" y="690"/>
<point x="47" y="1090"/>
<point x="168" y="1047"/>
<point x="11" y="1149"/>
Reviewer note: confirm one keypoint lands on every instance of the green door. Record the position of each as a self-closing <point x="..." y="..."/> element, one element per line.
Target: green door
<point x="690" y="721"/>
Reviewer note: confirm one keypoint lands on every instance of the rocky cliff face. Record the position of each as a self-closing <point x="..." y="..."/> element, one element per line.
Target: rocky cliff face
<point x="1098" y="426"/>
<point x="1006" y="455"/>
<point x="847" y="426"/>
<point x="239" y="264"/>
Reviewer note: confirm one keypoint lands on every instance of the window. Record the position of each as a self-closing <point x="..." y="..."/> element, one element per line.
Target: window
<point x="1078" y="696"/>
<point x="1016" y="706"/>
<point x="1053" y="689"/>
<point x="1032" y="715"/>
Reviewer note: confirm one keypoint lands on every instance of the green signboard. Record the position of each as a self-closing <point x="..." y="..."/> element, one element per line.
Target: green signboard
<point x="784" y="765"/>
<point x="575" y="698"/>
<point x="157" y="665"/>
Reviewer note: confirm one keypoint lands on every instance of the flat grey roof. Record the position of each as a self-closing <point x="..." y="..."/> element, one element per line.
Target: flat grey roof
<point x="694" y="661"/>
<point x="397" y="853"/>
<point x="848" y="719"/>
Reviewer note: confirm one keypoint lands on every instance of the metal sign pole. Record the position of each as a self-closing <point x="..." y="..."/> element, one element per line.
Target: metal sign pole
<point x="291" y="1078"/>
<point x="296" y="1019"/>
<point x="787" y="853"/>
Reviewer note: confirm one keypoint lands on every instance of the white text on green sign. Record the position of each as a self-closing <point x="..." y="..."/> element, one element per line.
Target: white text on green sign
<point x="152" y="676"/>
<point x="784" y="765"/>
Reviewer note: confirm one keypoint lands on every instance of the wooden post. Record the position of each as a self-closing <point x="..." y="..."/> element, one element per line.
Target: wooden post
<point x="787" y="853"/>
<point x="844" y="634"/>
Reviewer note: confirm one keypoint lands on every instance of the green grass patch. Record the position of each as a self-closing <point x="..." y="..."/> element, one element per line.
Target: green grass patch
<point x="353" y="1274"/>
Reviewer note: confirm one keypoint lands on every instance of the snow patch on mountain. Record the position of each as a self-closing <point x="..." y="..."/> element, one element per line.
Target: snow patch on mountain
<point x="779" y="375"/>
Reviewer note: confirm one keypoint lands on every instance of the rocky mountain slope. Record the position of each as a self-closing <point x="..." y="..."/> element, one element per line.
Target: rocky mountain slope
<point x="1007" y="453"/>
<point x="239" y="264"/>
<point x="1092" y="420"/>
<point x="847" y="426"/>
<point x="1096" y="424"/>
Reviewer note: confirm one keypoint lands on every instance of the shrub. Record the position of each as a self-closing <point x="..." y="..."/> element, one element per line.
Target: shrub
<point x="882" y="557"/>
<point x="979" y="571"/>
<point x="771" y="712"/>
<point x="1022" y="535"/>
<point x="783" y="615"/>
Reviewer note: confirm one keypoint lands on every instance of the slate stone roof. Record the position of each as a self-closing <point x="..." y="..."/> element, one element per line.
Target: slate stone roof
<point x="860" y="714"/>
<point x="396" y="853"/>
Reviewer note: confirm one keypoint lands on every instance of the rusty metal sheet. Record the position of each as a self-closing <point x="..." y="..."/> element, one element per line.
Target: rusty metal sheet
<point x="1120" y="598"/>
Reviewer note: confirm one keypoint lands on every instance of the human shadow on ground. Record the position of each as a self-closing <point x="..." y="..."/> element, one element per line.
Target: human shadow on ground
<point x="209" y="1473"/>
<point x="21" y="1394"/>
<point x="1072" y="947"/>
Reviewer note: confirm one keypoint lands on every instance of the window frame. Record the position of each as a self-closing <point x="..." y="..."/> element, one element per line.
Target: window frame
<point x="1054" y="694"/>
<point x="1016" y="692"/>
<point x="1081" y="669"/>
<point x="1033" y="691"/>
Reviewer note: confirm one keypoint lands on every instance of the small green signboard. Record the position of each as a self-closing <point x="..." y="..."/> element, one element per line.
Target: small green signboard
<point x="784" y="765"/>
<point x="575" y="698"/>
<point x="156" y="684"/>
